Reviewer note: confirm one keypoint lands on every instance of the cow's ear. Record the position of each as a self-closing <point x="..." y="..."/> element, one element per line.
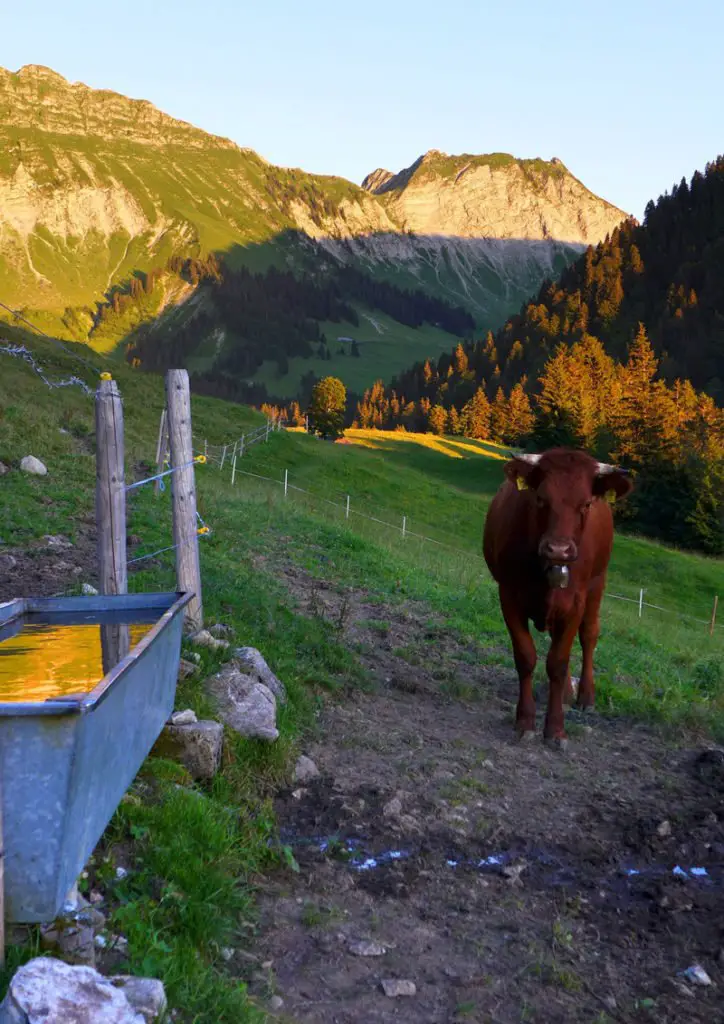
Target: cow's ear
<point x="523" y="471"/>
<point x="610" y="480"/>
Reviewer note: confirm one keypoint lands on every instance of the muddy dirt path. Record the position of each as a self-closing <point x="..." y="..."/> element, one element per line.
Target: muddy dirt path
<point x="508" y="883"/>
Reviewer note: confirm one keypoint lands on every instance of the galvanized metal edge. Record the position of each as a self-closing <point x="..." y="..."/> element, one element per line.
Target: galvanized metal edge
<point x="11" y="609"/>
<point x="83" y="703"/>
<point x="93" y="699"/>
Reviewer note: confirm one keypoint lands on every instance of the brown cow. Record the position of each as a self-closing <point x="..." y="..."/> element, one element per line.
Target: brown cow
<point x="547" y="541"/>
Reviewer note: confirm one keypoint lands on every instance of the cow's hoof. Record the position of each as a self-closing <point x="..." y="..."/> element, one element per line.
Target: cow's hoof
<point x="559" y="743"/>
<point x="525" y="735"/>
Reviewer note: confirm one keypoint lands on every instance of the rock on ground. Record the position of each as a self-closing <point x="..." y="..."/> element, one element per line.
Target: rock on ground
<point x="185" y="669"/>
<point x="48" y="991"/>
<point x="3" y="469"/>
<point x="187" y="717"/>
<point x="147" y="996"/>
<point x="197" y="745"/>
<point x="244" y="705"/>
<point x="251" y="662"/>
<point x="204" y="639"/>
<point x="305" y="769"/>
<point x="396" y="987"/>
<point x="29" y="464"/>
<point x="89" y="590"/>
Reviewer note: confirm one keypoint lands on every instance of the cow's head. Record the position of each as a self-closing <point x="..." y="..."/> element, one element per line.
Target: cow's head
<point x="562" y="487"/>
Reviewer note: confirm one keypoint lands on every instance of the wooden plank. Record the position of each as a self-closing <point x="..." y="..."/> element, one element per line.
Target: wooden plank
<point x="183" y="490"/>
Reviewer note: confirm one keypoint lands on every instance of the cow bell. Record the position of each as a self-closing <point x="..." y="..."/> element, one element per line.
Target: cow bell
<point x="558" y="576"/>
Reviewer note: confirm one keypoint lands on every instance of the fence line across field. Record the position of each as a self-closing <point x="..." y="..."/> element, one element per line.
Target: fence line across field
<point x="403" y="530"/>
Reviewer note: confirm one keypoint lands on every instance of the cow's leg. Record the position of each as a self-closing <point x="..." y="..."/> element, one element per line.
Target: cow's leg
<point x="525" y="659"/>
<point x="588" y="635"/>
<point x="559" y="655"/>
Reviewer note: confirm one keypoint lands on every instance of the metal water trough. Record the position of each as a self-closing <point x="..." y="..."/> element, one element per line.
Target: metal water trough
<point x="66" y="763"/>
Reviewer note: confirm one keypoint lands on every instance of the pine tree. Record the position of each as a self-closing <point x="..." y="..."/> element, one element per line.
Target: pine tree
<point x="499" y="416"/>
<point x="454" y="421"/>
<point x="520" y="416"/>
<point x="476" y="416"/>
<point x="460" y="360"/>
<point x="437" y="419"/>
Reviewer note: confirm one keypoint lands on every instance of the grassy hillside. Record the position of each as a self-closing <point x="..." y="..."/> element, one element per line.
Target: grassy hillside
<point x="201" y="855"/>
<point x="386" y="348"/>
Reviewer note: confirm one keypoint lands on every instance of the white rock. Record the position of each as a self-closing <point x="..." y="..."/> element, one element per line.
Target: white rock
<point x="88" y="590"/>
<point x="697" y="975"/>
<point x="204" y="639"/>
<point x="227" y="953"/>
<point x="56" y="542"/>
<point x="246" y="706"/>
<point x="664" y="829"/>
<point x="367" y="949"/>
<point x="29" y="464"/>
<point x="276" y="1003"/>
<point x="48" y="991"/>
<point x="3" y="469"/>
<point x="253" y="664"/>
<point x="121" y="873"/>
<point x="147" y="996"/>
<point x="187" y="717"/>
<point x="396" y="987"/>
<point x="305" y="769"/>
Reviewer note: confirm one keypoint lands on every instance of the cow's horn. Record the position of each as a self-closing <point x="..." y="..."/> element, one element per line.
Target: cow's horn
<point x="532" y="460"/>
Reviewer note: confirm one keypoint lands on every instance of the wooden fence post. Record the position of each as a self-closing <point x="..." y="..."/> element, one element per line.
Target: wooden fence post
<point x="183" y="491"/>
<point x="111" y="515"/>
<point x="161" y="449"/>
<point x="712" y="624"/>
<point x="110" y="490"/>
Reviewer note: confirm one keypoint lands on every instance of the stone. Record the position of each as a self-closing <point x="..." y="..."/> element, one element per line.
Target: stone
<point x="29" y="464"/>
<point x="4" y="469"/>
<point x="204" y="639"/>
<point x="48" y="991"/>
<point x="56" y="542"/>
<point x="393" y="808"/>
<point x="276" y="1003"/>
<point x="187" y="717"/>
<point x="246" y="706"/>
<point x="219" y="630"/>
<point x="227" y="953"/>
<point x="367" y="949"/>
<point x="251" y="662"/>
<point x="664" y="829"/>
<point x="88" y="590"/>
<point x="7" y="563"/>
<point x="305" y="769"/>
<point x="146" y="996"/>
<point x="185" y="669"/>
<point x="697" y="975"/>
<point x="196" y="745"/>
<point x="396" y="987"/>
<point x="121" y="873"/>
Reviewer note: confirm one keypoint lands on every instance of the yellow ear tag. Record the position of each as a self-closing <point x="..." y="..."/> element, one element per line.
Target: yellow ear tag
<point x="106" y="376"/>
<point x="521" y="484"/>
<point x="610" y="497"/>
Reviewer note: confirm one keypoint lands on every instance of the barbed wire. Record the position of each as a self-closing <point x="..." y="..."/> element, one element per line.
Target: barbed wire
<point x="22" y="352"/>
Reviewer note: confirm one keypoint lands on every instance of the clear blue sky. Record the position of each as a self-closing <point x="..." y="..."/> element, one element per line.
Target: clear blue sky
<point x="628" y="93"/>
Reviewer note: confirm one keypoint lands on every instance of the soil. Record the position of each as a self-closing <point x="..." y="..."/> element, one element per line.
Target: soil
<point x="509" y="882"/>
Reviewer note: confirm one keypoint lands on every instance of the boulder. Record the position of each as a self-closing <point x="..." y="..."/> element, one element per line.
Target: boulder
<point x="196" y="745"/>
<point x="187" y="717"/>
<point x="48" y="991"/>
<point x="147" y="996"/>
<point x="219" y="630"/>
<point x="29" y="464"/>
<point x="88" y="590"/>
<point x="251" y="662"/>
<point x="245" y="705"/>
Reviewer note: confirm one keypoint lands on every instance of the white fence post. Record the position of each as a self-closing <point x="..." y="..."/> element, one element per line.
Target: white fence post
<point x="404" y="526"/>
<point x="233" y="470"/>
<point x="286" y="481"/>
<point x="712" y="624"/>
<point x="641" y="601"/>
<point x="241" y="447"/>
<point x="346" y="514"/>
<point x="223" y="457"/>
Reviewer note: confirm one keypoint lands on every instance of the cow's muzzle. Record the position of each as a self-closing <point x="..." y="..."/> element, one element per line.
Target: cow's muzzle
<point x="557" y="551"/>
